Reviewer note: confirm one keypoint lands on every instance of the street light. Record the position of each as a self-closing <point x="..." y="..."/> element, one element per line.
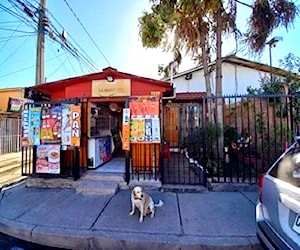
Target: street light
<point x="272" y="43"/>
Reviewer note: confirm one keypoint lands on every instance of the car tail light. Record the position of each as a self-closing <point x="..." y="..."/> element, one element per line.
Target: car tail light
<point x="260" y="186"/>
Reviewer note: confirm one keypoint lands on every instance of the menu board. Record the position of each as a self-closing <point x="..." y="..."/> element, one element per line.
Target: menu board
<point x="48" y="159"/>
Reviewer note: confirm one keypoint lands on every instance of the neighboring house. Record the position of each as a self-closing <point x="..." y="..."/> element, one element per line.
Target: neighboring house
<point x="11" y="102"/>
<point x="11" y="98"/>
<point x="237" y="75"/>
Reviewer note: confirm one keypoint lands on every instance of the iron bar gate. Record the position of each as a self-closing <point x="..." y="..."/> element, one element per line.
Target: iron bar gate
<point x="232" y="143"/>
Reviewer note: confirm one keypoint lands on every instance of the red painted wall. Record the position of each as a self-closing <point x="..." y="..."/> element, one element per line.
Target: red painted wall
<point x="139" y="88"/>
<point x="79" y="90"/>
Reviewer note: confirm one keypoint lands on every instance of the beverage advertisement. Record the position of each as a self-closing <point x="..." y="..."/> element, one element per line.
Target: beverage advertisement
<point x="48" y="159"/>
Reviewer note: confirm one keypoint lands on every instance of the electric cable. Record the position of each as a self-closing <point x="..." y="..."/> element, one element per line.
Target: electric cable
<point x="87" y="33"/>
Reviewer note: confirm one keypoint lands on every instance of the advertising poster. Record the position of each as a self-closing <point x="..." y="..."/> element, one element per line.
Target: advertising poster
<point x="126" y="129"/>
<point x="144" y="106"/>
<point x="155" y="130"/>
<point x="35" y="123"/>
<point x="137" y="130"/>
<point x="75" y="125"/>
<point x="51" y="124"/>
<point x="48" y="159"/>
<point x="25" y="128"/>
<point x="46" y="131"/>
<point x="104" y="150"/>
<point x="148" y="130"/>
<point x="66" y="125"/>
<point x="144" y="123"/>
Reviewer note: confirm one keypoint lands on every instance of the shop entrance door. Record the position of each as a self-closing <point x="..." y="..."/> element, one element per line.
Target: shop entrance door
<point x="171" y="125"/>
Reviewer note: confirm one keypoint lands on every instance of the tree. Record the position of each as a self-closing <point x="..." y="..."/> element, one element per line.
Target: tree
<point x="191" y="25"/>
<point x="267" y="15"/>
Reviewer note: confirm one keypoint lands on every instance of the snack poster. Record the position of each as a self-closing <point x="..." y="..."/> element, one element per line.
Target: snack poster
<point x="48" y="159"/>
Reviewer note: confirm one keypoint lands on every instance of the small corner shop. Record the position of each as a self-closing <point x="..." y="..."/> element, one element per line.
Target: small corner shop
<point x="90" y="119"/>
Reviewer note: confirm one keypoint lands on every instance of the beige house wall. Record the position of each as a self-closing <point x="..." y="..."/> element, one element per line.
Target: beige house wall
<point x="6" y="93"/>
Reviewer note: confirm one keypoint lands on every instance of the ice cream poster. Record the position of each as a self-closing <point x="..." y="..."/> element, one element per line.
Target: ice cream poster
<point x="48" y="159"/>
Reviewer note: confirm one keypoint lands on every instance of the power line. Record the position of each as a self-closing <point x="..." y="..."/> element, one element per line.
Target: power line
<point x="87" y="32"/>
<point x="11" y="73"/>
<point x="73" y="39"/>
<point x="15" y="51"/>
<point x="31" y="20"/>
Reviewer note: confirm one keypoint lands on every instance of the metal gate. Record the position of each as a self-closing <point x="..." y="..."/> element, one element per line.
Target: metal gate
<point x="180" y="164"/>
<point x="10" y="134"/>
<point x="226" y="139"/>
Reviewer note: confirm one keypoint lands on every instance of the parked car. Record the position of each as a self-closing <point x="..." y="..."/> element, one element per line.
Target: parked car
<point x="278" y="207"/>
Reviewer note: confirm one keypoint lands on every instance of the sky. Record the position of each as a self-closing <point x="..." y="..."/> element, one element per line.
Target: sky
<point x="113" y="26"/>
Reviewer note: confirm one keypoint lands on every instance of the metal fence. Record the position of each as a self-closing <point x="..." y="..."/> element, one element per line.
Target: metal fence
<point x="10" y="134"/>
<point x="228" y="139"/>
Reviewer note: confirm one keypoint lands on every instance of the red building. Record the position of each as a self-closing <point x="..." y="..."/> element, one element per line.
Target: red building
<point x="102" y="97"/>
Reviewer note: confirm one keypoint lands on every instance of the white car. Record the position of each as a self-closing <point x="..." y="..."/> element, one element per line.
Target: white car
<point x="278" y="207"/>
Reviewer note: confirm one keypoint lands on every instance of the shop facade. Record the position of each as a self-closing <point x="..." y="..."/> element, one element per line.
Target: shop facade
<point x="86" y="122"/>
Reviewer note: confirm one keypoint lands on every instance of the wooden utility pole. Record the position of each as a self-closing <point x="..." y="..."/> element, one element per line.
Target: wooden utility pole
<point x="40" y="52"/>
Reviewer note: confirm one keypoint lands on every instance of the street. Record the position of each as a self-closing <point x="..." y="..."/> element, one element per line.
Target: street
<point x="10" y="243"/>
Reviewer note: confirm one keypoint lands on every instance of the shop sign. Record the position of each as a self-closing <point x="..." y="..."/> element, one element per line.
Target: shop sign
<point x="14" y="105"/>
<point x="103" y="88"/>
<point x="75" y="125"/>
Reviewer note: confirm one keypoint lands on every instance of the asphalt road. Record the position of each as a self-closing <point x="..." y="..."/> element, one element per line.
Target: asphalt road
<point x="10" y="243"/>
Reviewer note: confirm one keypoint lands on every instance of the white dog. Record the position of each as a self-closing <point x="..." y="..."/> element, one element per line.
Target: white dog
<point x="143" y="202"/>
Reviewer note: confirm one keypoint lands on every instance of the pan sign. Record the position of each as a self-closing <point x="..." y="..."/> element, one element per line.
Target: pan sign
<point x="75" y="125"/>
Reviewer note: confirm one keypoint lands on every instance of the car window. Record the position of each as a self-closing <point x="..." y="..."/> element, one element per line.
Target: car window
<point x="288" y="168"/>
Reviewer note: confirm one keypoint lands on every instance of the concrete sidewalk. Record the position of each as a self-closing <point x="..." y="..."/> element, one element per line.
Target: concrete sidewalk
<point x="61" y="218"/>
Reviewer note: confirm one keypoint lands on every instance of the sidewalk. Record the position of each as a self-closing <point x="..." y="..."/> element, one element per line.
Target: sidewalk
<point x="61" y="218"/>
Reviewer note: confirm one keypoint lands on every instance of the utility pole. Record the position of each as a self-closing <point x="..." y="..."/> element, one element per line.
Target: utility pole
<point x="40" y="52"/>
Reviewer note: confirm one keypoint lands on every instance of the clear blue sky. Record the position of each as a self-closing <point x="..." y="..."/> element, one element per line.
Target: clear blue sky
<point x="113" y="25"/>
